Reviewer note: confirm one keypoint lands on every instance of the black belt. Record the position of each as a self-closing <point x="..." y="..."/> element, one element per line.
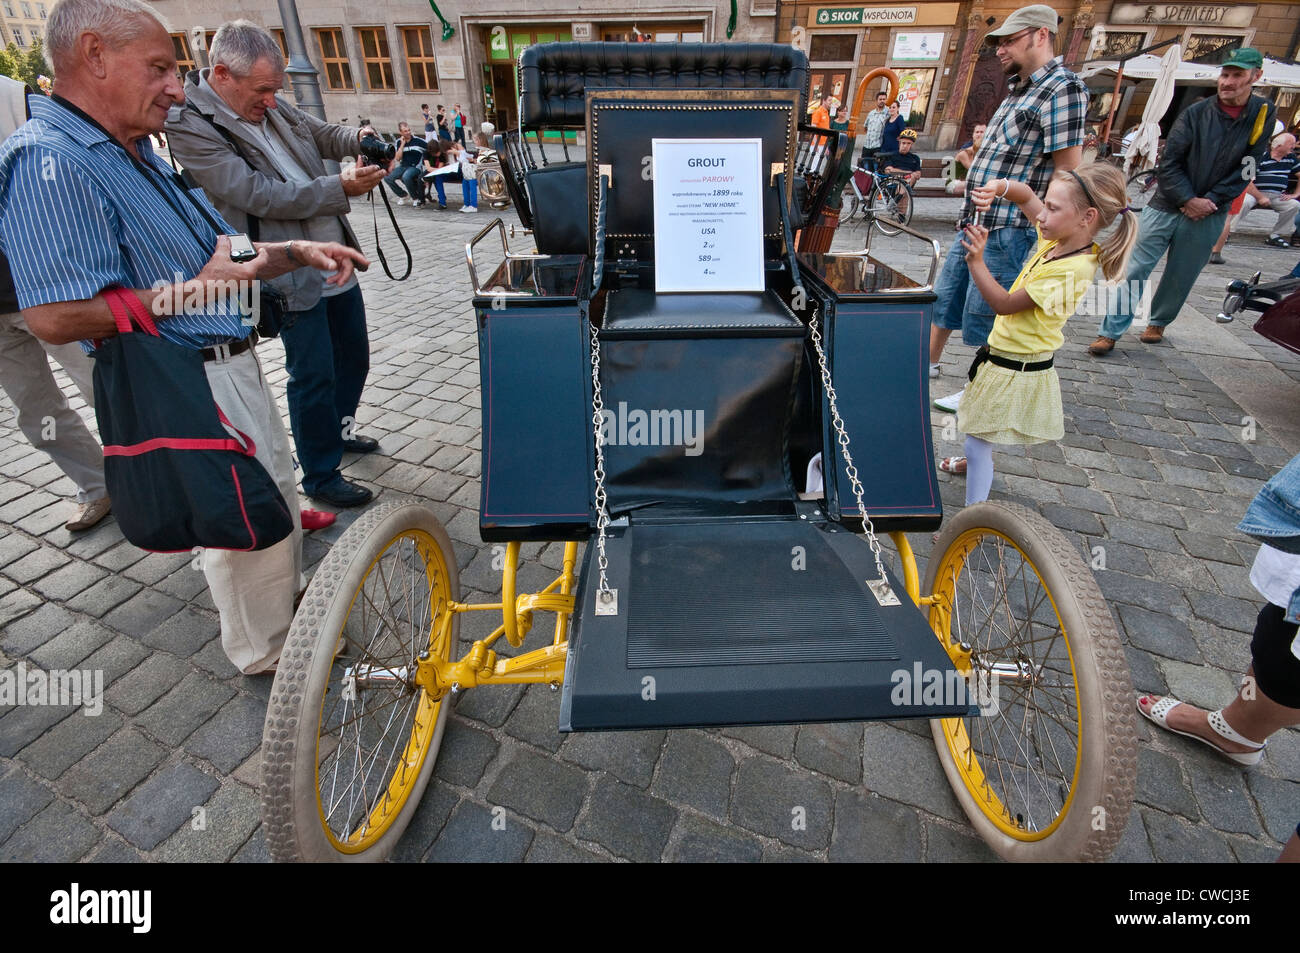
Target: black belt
<point x="983" y="355"/>
<point x="222" y="352"/>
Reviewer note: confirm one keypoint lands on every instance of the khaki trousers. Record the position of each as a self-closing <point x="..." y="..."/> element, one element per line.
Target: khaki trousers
<point x="44" y="416"/>
<point x="254" y="591"/>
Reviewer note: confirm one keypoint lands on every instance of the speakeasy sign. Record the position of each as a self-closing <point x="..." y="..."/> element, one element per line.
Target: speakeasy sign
<point x="1184" y="14"/>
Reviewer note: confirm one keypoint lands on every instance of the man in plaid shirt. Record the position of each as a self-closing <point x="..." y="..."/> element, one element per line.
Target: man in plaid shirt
<point x="1037" y="130"/>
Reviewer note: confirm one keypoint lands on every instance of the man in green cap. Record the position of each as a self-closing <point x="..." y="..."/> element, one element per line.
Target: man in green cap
<point x="1211" y="154"/>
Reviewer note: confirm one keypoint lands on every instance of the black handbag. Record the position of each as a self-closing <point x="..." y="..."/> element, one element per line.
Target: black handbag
<point x="179" y="473"/>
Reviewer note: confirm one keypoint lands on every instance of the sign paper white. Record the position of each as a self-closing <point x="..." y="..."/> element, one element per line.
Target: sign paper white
<point x="708" y="196"/>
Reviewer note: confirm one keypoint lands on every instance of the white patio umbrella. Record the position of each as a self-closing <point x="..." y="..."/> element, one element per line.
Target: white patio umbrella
<point x="1147" y="141"/>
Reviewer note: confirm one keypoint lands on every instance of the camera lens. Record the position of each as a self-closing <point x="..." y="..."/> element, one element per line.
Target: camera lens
<point x="376" y="150"/>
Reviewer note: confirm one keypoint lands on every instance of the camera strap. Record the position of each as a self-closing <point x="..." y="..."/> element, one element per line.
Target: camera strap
<point x="379" y="249"/>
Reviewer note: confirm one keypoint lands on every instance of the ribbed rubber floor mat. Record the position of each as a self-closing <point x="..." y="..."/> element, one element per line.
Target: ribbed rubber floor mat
<point x="723" y="594"/>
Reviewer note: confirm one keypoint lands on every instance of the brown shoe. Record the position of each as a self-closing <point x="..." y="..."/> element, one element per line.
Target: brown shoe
<point x="1102" y="346"/>
<point x="1154" y="334"/>
<point x="88" y="514"/>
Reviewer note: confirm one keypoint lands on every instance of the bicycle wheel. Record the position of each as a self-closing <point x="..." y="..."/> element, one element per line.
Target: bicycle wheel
<point x="350" y="738"/>
<point x="848" y="205"/>
<point x="1049" y="773"/>
<point x="891" y="205"/>
<point x="1141" y="187"/>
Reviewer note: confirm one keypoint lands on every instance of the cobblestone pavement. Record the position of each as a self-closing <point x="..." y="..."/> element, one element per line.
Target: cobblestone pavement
<point x="1158" y="463"/>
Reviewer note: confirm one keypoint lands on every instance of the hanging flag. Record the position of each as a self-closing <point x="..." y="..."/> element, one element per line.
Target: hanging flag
<point x="448" y="31"/>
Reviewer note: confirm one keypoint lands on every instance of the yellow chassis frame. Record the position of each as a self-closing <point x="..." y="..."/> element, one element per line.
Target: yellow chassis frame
<point x="482" y="666"/>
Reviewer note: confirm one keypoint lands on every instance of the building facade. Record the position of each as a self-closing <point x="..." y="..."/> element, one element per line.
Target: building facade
<point x="380" y="60"/>
<point x="22" y="22"/>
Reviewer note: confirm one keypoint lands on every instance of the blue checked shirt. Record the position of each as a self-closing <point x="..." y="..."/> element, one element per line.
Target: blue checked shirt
<point x="77" y="216"/>
<point x="1038" y="117"/>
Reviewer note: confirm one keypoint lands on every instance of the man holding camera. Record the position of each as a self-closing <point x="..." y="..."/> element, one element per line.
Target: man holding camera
<point x="261" y="161"/>
<point x="85" y="206"/>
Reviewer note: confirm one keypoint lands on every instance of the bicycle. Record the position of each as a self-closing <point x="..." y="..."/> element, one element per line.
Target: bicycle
<point x="885" y="200"/>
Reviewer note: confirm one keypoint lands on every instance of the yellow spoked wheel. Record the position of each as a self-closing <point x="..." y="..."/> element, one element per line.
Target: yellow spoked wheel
<point x="350" y="738"/>
<point x="1047" y="771"/>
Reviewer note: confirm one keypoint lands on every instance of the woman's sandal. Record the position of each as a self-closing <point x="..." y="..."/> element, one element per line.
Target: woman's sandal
<point x="1159" y="713"/>
<point x="954" y="465"/>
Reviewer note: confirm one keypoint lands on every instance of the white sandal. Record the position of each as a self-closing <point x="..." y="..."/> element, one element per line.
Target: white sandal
<point x="1159" y="714"/>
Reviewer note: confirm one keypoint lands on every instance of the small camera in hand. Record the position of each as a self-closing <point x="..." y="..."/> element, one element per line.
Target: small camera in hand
<point x="374" y="151"/>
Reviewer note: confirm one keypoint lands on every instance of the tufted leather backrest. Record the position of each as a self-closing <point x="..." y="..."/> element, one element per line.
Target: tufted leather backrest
<point x="555" y="76"/>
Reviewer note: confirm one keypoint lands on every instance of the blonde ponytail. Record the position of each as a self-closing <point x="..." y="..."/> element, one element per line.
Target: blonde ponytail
<point x="1106" y="192"/>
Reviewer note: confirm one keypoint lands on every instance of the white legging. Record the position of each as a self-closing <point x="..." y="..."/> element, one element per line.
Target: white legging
<point x="979" y="469"/>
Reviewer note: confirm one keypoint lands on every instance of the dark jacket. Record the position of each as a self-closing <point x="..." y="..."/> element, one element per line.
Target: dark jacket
<point x="1203" y="156"/>
<point x="315" y="210"/>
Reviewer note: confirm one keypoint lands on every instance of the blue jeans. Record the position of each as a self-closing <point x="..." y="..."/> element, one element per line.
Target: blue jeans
<point x="1189" y="244"/>
<point x="1295" y="272"/>
<point x="469" y="189"/>
<point x="960" y="305"/>
<point x="437" y="187"/>
<point x="327" y="354"/>
<point x="409" y="175"/>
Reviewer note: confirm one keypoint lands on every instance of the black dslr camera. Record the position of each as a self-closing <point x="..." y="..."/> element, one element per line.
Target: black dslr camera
<point x="377" y="152"/>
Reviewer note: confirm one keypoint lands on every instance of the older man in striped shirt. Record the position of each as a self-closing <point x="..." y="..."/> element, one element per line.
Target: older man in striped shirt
<point x="85" y="205"/>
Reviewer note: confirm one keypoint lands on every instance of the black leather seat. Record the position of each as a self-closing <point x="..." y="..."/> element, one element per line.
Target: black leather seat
<point x="640" y="312"/>
<point x="555" y="77"/>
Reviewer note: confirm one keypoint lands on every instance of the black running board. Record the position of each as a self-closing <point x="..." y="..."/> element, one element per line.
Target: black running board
<point x="765" y="621"/>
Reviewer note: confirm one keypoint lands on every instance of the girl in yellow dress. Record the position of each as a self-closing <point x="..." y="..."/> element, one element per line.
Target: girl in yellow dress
<point x="1015" y="396"/>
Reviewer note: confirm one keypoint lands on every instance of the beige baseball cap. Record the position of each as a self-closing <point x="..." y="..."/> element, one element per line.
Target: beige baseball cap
<point x="1026" y="18"/>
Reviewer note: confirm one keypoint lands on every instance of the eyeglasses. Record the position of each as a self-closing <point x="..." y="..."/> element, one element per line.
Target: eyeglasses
<point x="1008" y="40"/>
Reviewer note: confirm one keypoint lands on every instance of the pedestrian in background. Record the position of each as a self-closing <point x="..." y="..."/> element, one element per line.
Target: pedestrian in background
<point x="1211" y="153"/>
<point x="874" y="130"/>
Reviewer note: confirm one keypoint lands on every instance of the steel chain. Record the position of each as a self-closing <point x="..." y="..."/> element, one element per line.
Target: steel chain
<point x="842" y="438"/>
<point x="602" y="511"/>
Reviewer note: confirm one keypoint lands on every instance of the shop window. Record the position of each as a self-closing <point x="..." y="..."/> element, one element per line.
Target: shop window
<point x="420" y="62"/>
<point x="826" y="82"/>
<point x="181" y="47"/>
<point x="374" y="53"/>
<point x="1209" y="48"/>
<point x="334" y="57"/>
<point x="1122" y="44"/>
<point x="915" y="87"/>
<point x="833" y="48"/>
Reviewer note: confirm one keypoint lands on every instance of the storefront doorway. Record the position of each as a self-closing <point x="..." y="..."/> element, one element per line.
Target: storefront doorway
<point x="988" y="87"/>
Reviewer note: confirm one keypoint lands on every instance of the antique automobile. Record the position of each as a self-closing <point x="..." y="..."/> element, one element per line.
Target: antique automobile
<point x="657" y="377"/>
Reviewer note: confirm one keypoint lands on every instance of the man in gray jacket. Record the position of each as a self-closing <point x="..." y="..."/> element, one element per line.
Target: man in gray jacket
<point x="260" y="160"/>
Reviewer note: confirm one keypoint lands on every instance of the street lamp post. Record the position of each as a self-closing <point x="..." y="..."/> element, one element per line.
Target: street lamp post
<point x="303" y="76"/>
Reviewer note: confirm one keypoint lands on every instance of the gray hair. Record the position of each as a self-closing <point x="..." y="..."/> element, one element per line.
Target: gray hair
<point x="239" y="44"/>
<point x="118" y="22"/>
